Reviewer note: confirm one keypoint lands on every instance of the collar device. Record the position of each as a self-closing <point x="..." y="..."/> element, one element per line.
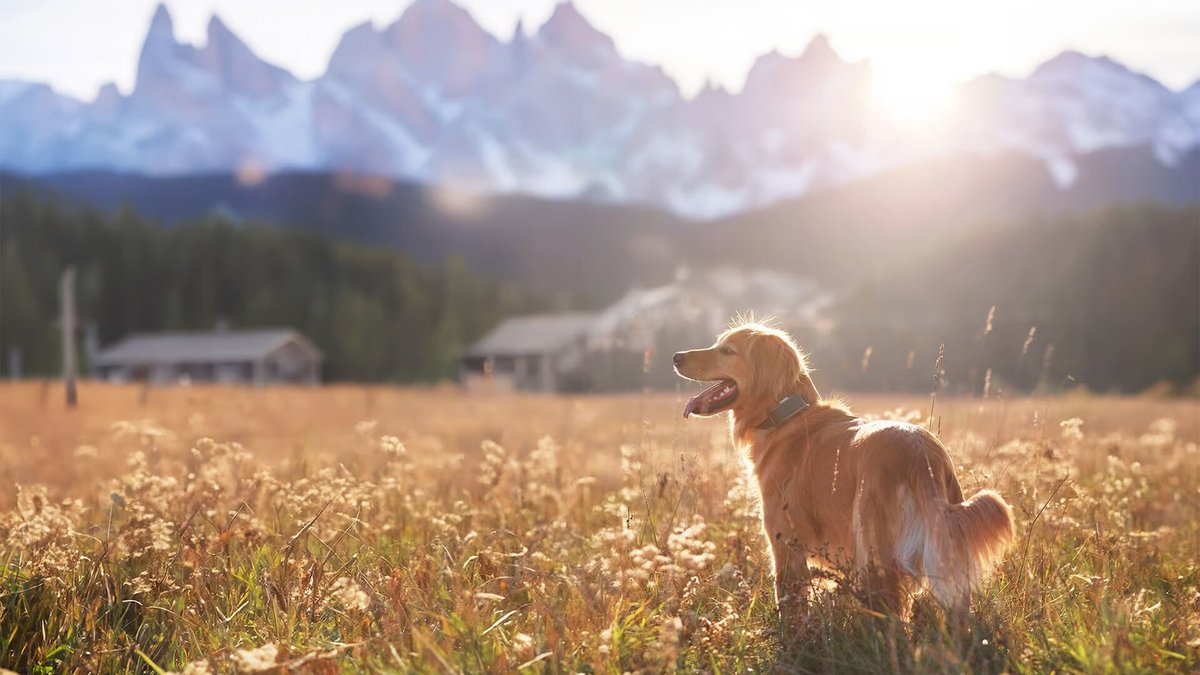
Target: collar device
<point x="784" y="411"/>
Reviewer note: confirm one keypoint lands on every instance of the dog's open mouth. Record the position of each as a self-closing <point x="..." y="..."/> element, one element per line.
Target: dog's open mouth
<point x="712" y="400"/>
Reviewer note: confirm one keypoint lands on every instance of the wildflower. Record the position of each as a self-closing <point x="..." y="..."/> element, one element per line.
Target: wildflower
<point x="1072" y="429"/>
<point x="743" y="497"/>
<point x="257" y="660"/>
<point x="605" y="645"/>
<point x="392" y="447"/>
<point x="630" y="462"/>
<point x="42" y="530"/>
<point x="492" y="466"/>
<point x="1161" y="433"/>
<point x="666" y="648"/>
<point x="349" y="595"/>
<point x="543" y="460"/>
<point x="522" y="647"/>
<point x="689" y="550"/>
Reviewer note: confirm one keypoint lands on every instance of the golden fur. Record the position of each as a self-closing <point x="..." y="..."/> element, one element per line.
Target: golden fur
<point x="879" y="498"/>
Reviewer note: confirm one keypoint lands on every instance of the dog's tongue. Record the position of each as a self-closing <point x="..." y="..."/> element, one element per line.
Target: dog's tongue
<point x="700" y="401"/>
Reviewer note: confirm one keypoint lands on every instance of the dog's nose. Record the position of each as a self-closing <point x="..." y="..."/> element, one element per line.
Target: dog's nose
<point x="678" y="358"/>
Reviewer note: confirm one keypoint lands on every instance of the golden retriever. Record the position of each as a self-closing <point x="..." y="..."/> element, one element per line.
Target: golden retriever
<point x="879" y="498"/>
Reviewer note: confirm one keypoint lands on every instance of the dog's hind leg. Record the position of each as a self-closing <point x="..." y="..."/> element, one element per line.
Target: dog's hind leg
<point x="888" y="589"/>
<point x="886" y="582"/>
<point x="958" y="619"/>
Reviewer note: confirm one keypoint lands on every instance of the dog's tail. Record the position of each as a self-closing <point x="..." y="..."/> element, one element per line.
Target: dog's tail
<point x="954" y="547"/>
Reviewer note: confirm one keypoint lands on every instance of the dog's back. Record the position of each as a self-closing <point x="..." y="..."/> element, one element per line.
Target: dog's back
<point x="883" y="497"/>
<point x="910" y="515"/>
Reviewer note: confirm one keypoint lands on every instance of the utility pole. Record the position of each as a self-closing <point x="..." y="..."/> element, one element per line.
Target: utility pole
<point x="66" y="303"/>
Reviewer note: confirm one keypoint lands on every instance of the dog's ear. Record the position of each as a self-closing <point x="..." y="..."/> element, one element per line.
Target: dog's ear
<point x="776" y="365"/>
<point x="779" y="369"/>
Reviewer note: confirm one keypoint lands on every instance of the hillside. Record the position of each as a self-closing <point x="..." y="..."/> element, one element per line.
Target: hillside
<point x="579" y="250"/>
<point x="1108" y="299"/>
<point x="854" y="232"/>
<point x="590" y="253"/>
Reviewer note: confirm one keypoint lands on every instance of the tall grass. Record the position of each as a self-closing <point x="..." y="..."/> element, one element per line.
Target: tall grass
<point x="224" y="530"/>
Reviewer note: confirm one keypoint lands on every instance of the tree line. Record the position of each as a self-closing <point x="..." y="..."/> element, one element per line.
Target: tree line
<point x="376" y="315"/>
<point x="1107" y="299"/>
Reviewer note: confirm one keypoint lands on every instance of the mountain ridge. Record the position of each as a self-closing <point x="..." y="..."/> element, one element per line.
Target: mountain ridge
<point x="560" y="113"/>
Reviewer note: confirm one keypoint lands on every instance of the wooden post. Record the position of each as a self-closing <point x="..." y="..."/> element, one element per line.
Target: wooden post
<point x="66" y="300"/>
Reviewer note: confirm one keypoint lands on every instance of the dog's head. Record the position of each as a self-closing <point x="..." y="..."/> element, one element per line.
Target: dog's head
<point x="753" y="367"/>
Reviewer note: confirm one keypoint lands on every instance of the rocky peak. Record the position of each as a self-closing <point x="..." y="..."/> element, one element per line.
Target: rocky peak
<point x="569" y="30"/>
<point x="235" y="65"/>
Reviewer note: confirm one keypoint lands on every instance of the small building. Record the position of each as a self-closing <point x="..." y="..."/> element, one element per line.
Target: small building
<point x="541" y="352"/>
<point x="627" y="345"/>
<point x="272" y="356"/>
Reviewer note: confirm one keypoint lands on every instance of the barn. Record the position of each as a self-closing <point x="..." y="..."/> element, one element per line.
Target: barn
<point x="259" y="357"/>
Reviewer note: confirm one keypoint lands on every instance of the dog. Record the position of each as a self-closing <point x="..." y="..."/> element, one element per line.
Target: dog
<point x="878" y="498"/>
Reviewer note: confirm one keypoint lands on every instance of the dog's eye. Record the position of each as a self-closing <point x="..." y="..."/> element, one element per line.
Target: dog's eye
<point x="726" y="349"/>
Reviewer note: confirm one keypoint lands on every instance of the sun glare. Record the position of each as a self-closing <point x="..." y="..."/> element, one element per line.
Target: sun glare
<point x="912" y="94"/>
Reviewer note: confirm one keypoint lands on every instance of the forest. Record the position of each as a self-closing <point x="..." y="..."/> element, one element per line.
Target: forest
<point x="376" y="315"/>
<point x="1104" y="299"/>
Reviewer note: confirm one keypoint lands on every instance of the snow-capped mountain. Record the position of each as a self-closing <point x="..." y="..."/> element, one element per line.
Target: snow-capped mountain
<point x="1076" y="104"/>
<point x="559" y="112"/>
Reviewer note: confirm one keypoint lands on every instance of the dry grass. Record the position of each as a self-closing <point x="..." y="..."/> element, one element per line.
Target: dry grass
<point x="425" y="530"/>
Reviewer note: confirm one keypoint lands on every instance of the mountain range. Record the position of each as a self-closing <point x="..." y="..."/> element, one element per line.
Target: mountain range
<point x="558" y="112"/>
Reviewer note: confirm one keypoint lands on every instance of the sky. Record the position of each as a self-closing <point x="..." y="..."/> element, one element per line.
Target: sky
<point x="78" y="45"/>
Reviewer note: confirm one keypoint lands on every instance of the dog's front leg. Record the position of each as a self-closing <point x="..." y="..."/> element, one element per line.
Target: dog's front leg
<point x="792" y="581"/>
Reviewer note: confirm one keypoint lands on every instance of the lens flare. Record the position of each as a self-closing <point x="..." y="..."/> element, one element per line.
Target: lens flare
<point x="912" y="92"/>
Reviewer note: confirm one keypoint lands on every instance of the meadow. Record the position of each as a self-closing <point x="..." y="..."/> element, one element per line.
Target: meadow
<point x="350" y="529"/>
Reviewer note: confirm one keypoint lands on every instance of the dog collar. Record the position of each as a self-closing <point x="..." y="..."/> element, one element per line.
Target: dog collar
<point x="785" y="410"/>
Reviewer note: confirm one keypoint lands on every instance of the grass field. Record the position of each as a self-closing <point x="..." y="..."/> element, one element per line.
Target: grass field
<point x="370" y="529"/>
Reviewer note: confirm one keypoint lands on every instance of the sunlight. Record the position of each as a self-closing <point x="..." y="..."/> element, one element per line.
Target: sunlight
<point x="457" y="202"/>
<point x="912" y="92"/>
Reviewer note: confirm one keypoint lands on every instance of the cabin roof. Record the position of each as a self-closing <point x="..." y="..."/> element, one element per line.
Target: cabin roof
<point x="533" y="334"/>
<point x="201" y="347"/>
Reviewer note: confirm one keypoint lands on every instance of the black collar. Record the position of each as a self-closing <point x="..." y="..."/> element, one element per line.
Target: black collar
<point x="785" y="410"/>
